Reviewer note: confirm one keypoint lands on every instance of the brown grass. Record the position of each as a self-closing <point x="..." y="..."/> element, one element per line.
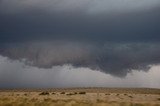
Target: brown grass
<point x="80" y="97"/>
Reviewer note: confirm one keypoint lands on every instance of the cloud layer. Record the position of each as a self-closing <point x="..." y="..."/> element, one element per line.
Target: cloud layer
<point x="88" y="6"/>
<point x="114" y="58"/>
<point x="15" y="74"/>
<point x="114" y="37"/>
<point x="91" y="20"/>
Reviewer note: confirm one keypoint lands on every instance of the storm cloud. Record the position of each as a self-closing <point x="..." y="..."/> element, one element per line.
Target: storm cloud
<point x="114" y="58"/>
<point x="16" y="74"/>
<point x="91" y="20"/>
<point x="114" y="37"/>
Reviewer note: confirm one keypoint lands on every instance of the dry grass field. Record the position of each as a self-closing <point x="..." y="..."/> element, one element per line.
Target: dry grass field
<point x="81" y="97"/>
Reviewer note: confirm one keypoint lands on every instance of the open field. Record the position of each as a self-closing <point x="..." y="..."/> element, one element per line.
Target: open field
<point x="81" y="97"/>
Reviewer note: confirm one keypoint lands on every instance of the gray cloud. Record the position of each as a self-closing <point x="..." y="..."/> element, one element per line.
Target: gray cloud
<point x="36" y="19"/>
<point x="88" y="6"/>
<point x="112" y="36"/>
<point x="114" y="58"/>
<point x="15" y="74"/>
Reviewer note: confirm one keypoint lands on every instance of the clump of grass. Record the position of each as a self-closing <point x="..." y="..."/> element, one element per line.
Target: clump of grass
<point x="53" y="93"/>
<point x="34" y="99"/>
<point x="107" y="94"/>
<point x="117" y="94"/>
<point x="74" y="93"/>
<point x="25" y="94"/>
<point x="125" y="94"/>
<point x="47" y="99"/>
<point x="137" y="104"/>
<point x="62" y="93"/>
<point x="44" y="93"/>
<point x="83" y="93"/>
<point x="70" y="94"/>
<point x="130" y="96"/>
<point x="98" y="100"/>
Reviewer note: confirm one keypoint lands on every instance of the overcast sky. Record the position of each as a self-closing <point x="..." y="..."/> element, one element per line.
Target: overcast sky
<point x="73" y="43"/>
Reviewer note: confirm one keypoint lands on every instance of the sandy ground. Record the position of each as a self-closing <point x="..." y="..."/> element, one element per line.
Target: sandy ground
<point x="81" y="97"/>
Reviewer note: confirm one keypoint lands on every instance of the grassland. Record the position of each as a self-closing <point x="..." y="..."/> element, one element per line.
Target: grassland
<point x="81" y="97"/>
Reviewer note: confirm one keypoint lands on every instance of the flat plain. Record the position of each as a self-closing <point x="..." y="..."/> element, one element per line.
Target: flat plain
<point x="80" y="97"/>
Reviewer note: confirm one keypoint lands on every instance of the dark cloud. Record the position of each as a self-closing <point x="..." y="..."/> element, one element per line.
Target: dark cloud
<point x="29" y="21"/>
<point x="16" y="74"/>
<point x="114" y="58"/>
<point x="114" y="37"/>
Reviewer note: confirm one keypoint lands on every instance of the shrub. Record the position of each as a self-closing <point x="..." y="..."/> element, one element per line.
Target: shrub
<point x="62" y="93"/>
<point x="130" y="96"/>
<point x="82" y="93"/>
<point x="25" y="94"/>
<point x="107" y="94"/>
<point x="125" y="94"/>
<point x="70" y="94"/>
<point x="47" y="99"/>
<point x="53" y="93"/>
<point x="44" y="93"/>
<point x="117" y="95"/>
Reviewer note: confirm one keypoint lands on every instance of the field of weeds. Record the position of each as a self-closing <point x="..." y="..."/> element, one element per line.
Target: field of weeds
<point x="81" y="97"/>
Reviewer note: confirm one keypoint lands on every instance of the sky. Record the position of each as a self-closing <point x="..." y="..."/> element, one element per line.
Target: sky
<point x="79" y="43"/>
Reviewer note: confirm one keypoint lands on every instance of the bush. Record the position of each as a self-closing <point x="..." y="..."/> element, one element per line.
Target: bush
<point x="25" y="94"/>
<point x="74" y="93"/>
<point x="44" y="93"/>
<point x="107" y="94"/>
<point x="82" y="93"/>
<point x="62" y="93"/>
<point x="125" y="94"/>
<point x="130" y="96"/>
<point x="70" y="94"/>
<point x="53" y="93"/>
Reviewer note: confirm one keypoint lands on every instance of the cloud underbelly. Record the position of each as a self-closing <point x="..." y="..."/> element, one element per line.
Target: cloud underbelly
<point x="114" y="58"/>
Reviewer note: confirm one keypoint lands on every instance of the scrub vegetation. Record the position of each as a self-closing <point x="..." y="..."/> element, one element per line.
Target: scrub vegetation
<point x="81" y="97"/>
